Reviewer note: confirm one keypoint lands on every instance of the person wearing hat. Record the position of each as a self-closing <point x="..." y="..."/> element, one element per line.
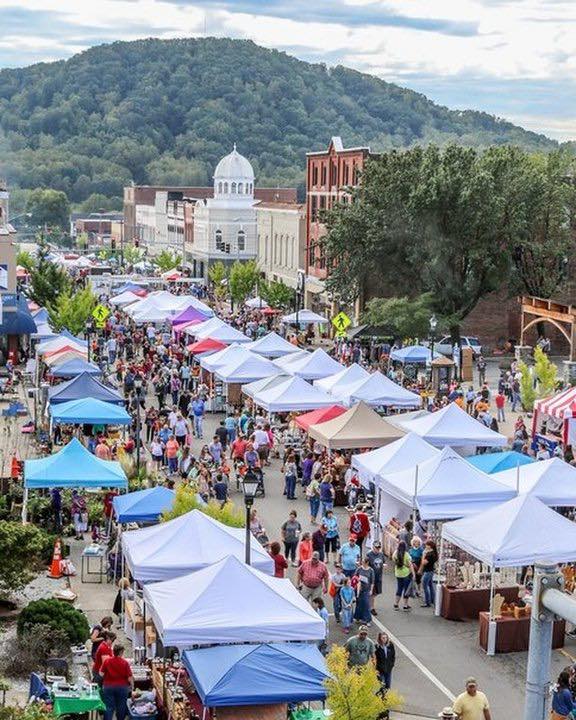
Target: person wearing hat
<point x="472" y="704"/>
<point x="361" y="649"/>
<point x="376" y="561"/>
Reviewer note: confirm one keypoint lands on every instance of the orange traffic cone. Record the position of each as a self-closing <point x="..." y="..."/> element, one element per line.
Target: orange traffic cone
<point x="15" y="468"/>
<point x="56" y="566"/>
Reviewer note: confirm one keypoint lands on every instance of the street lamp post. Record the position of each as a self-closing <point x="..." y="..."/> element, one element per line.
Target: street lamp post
<point x="138" y="389"/>
<point x="433" y="326"/>
<point x="89" y="328"/>
<point x="249" y="486"/>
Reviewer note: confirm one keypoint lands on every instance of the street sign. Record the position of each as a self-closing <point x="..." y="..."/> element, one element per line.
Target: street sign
<point x="341" y="322"/>
<point x="100" y="313"/>
<point x="100" y="324"/>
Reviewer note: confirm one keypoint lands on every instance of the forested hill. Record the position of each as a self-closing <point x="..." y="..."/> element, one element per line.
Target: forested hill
<point x="165" y="111"/>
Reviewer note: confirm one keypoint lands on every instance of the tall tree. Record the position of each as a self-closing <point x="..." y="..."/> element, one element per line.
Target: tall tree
<point x="243" y="279"/>
<point x="72" y="310"/>
<point x="47" y="280"/>
<point x="277" y="294"/>
<point x="218" y="276"/>
<point x="166" y="260"/>
<point x="49" y="207"/>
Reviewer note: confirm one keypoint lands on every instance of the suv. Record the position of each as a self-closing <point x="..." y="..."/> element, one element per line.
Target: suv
<point x="444" y="345"/>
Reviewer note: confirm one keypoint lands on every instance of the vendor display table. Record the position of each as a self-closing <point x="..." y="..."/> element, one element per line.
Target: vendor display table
<point x="513" y="634"/>
<point x="68" y="703"/>
<point x="461" y="604"/>
<point x="85" y="571"/>
<point x="308" y="715"/>
<point x="134" y="626"/>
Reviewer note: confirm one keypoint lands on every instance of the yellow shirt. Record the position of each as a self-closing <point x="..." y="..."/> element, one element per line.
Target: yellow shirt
<point x="471" y="707"/>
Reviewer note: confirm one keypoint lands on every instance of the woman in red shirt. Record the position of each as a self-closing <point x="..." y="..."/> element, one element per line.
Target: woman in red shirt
<point x="117" y="683"/>
<point x="103" y="651"/>
<point x="280" y="562"/>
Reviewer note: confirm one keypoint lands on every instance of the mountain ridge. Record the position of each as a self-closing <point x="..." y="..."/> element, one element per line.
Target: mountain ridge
<point x="164" y="111"/>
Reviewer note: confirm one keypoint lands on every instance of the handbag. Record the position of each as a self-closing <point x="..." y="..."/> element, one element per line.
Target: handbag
<point x="332" y="590"/>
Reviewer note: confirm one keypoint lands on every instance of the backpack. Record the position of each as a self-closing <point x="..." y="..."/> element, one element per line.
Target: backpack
<point x="356" y="526"/>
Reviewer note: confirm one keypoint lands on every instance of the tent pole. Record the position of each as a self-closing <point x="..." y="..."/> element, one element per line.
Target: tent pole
<point x="438" y="595"/>
<point x="164" y="679"/>
<point x="517" y="478"/>
<point x="414" y="499"/>
<point x="492" y="626"/>
<point x="25" y="506"/>
<point x="144" y="619"/>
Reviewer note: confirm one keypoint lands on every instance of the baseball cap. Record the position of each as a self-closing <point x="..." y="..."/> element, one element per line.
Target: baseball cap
<point x="353" y="537"/>
<point x="471" y="681"/>
<point x="363" y="629"/>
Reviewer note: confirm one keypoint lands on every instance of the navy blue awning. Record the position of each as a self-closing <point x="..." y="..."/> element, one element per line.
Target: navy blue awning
<point x="16" y="317"/>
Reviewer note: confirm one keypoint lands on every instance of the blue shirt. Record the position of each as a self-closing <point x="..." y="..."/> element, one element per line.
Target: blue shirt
<point x="349" y="554"/>
<point x="562" y="702"/>
<point x="331" y="525"/>
<point x="198" y="408"/>
<point x="230" y="423"/>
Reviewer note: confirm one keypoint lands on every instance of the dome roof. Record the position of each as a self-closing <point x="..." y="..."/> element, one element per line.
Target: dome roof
<point x="234" y="166"/>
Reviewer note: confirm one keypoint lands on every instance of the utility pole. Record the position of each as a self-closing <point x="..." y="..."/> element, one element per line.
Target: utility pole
<point x="549" y="602"/>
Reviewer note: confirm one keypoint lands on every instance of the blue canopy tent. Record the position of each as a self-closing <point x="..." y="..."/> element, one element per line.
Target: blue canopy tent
<point x="413" y="354"/>
<point x="68" y="335"/>
<point x="41" y="316"/>
<point x="74" y="367"/>
<point x="496" y="462"/>
<point x="16" y="318"/>
<point x="144" y="506"/>
<point x="89" y="410"/>
<point x="84" y="386"/>
<point x="71" y="467"/>
<point x="232" y="675"/>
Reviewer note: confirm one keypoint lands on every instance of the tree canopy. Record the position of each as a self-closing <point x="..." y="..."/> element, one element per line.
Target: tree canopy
<point x="136" y="111"/>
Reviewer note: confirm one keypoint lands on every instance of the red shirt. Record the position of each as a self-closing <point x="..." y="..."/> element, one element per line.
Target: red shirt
<point x="239" y="448"/>
<point x="104" y="650"/>
<point x="500" y="400"/>
<point x="280" y="564"/>
<point x="116" y="672"/>
<point x="362" y="518"/>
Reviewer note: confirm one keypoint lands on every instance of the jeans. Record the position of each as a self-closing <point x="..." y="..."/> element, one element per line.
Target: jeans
<point x="290" y="549"/>
<point x="428" y="586"/>
<point x="314" y="507"/>
<point x="501" y="416"/>
<point x="231" y="435"/>
<point x="290" y="487"/>
<point x="402" y="586"/>
<point x="337" y="604"/>
<point x="198" y="426"/>
<point x="346" y="617"/>
<point x="115" y="699"/>
<point x="327" y="505"/>
<point x="175" y="394"/>
<point x="111" y="357"/>
<point x="386" y="679"/>
<point x="515" y="400"/>
<point x="173" y="464"/>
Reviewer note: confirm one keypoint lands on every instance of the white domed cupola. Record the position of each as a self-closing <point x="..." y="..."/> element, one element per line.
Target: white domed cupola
<point x="234" y="177"/>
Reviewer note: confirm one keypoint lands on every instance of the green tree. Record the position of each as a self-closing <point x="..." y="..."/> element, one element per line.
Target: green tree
<point x="277" y="294"/>
<point x="528" y="393"/>
<point x="538" y="381"/>
<point x="26" y="260"/>
<point x="49" y="207"/>
<point x="354" y="693"/>
<point x="218" y="276"/>
<point x="243" y="279"/>
<point x="408" y="317"/>
<point x="166" y="260"/>
<point x="132" y="254"/>
<point x="98" y="202"/>
<point x="21" y="547"/>
<point x="187" y="500"/>
<point x="71" y="310"/>
<point x="47" y="280"/>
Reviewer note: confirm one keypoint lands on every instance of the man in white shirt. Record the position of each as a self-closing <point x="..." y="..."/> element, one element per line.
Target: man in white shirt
<point x="173" y="418"/>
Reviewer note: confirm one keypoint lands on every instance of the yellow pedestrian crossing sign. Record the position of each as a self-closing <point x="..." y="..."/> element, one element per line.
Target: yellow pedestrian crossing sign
<point x="100" y="313"/>
<point x="341" y="322"/>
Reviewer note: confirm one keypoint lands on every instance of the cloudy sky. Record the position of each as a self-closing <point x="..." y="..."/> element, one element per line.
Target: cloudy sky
<point x="513" y="58"/>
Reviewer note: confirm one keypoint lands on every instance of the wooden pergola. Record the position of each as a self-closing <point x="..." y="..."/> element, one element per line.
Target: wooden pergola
<point x="563" y="317"/>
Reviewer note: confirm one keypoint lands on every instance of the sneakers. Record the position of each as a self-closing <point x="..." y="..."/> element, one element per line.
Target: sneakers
<point x="373" y="612"/>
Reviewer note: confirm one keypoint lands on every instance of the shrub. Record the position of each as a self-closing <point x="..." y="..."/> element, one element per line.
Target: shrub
<point x="21" y="547"/>
<point x="27" y="653"/>
<point x="58" y="616"/>
<point x="186" y="500"/>
<point x="29" y="712"/>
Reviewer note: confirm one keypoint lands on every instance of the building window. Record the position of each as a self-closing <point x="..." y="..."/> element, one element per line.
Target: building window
<point x="240" y="188"/>
<point x="233" y="188"/>
<point x="241" y="240"/>
<point x="354" y="174"/>
<point x="275" y="249"/>
<point x="323" y="175"/>
<point x="220" y="188"/>
<point x="346" y="174"/>
<point x="226" y="188"/>
<point x="322" y="202"/>
<point x="314" y="208"/>
<point x="333" y="174"/>
<point x="315" y="175"/>
<point x="251" y="188"/>
<point x="218" y="239"/>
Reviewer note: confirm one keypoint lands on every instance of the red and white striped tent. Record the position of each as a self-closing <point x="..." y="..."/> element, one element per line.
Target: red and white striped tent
<point x="561" y="406"/>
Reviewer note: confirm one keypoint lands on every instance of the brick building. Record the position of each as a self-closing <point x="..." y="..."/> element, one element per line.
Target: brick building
<point x="329" y="174"/>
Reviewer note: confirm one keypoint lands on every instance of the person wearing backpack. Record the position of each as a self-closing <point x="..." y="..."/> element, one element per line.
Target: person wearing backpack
<point x="359" y="526"/>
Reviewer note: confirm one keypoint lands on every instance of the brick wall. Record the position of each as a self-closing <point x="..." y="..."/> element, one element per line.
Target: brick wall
<point x="253" y="712"/>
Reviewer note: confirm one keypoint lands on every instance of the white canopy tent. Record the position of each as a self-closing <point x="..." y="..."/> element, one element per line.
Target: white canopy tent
<point x="246" y="370"/>
<point x="272" y="346"/>
<point x="342" y="379"/>
<point x="454" y="427"/>
<point x="251" y="389"/>
<point x="410" y="450"/>
<point x="125" y="298"/>
<point x="256" y="303"/>
<point x="209" y="325"/>
<point x="284" y="362"/>
<point x="226" y="334"/>
<point x="552" y="481"/>
<point x="377" y="390"/>
<point x="230" y="602"/>
<point x="314" y="365"/>
<point x="522" y="531"/>
<point x="226" y="356"/>
<point x="295" y="394"/>
<point x="190" y="542"/>
<point x="304" y="317"/>
<point x="165" y="302"/>
<point x="444" y="487"/>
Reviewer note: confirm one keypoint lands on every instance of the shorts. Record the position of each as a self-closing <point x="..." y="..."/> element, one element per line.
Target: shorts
<point x="331" y="544"/>
<point x="263" y="452"/>
<point x="402" y="586"/>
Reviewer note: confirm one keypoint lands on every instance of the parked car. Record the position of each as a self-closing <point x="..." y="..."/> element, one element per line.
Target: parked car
<point x="444" y="345"/>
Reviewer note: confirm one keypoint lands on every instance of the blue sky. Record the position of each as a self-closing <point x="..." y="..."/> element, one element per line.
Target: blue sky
<point x="513" y="58"/>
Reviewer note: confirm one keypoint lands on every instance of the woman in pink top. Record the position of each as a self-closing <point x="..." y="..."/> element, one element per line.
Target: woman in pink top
<point x="172" y="447"/>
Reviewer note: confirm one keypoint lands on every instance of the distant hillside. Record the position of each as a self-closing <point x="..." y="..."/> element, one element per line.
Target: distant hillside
<point x="165" y="111"/>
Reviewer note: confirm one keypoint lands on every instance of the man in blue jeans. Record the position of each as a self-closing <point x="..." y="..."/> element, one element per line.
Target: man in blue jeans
<point x="197" y="407"/>
<point x="117" y="682"/>
<point x="349" y="556"/>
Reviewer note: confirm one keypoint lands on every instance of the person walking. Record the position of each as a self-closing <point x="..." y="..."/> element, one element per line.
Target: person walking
<point x="197" y="407"/>
<point x="359" y="525"/>
<point x="304" y="548"/>
<point x="117" y="682"/>
<point x="291" y="530"/>
<point x="280" y="562"/>
<point x="347" y="598"/>
<point x="427" y="569"/>
<point x="365" y="576"/>
<point x="313" y="497"/>
<point x="500" y="401"/>
<point x="327" y="494"/>
<point x="404" y="573"/>
<point x="562" y="701"/>
<point x="290" y="470"/>
<point x="385" y="659"/>
<point x="332" y="541"/>
<point x="336" y="582"/>
<point x="361" y="650"/>
<point x="472" y="704"/>
<point x="377" y="563"/>
<point x="313" y="578"/>
<point x="348" y="556"/>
